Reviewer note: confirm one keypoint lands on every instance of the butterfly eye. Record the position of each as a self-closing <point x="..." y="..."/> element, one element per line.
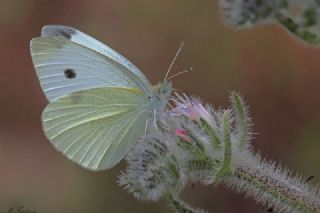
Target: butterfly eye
<point x="70" y="73"/>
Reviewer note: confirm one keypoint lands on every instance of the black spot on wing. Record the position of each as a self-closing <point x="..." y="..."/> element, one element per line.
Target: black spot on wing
<point x="58" y="31"/>
<point x="70" y="74"/>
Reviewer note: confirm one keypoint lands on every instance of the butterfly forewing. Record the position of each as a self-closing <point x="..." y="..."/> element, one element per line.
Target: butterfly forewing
<point x="76" y="36"/>
<point x="64" y="67"/>
<point x="96" y="127"/>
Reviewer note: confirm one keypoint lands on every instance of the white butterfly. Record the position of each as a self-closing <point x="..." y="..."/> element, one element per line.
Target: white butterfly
<point x="99" y="101"/>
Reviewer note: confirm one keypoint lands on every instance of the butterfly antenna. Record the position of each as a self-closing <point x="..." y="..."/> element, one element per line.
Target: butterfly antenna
<point x="180" y="73"/>
<point x="173" y="61"/>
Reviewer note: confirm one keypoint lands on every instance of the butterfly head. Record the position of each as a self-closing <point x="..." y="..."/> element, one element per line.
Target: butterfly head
<point x="161" y="94"/>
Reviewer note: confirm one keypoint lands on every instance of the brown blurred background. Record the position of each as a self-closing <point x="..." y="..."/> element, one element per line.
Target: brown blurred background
<point x="278" y="77"/>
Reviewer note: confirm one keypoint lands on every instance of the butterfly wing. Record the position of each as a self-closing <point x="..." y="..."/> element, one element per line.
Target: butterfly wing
<point x="64" y="67"/>
<point x="85" y="40"/>
<point x="96" y="127"/>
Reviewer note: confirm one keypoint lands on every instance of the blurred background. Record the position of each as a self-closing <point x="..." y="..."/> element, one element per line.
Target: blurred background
<point x="278" y="77"/>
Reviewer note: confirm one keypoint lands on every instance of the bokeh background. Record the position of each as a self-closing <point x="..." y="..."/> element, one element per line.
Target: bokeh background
<point x="279" y="78"/>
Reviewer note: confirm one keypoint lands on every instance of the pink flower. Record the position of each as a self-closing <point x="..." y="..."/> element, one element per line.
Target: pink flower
<point x="201" y="111"/>
<point x="192" y="109"/>
<point x="182" y="133"/>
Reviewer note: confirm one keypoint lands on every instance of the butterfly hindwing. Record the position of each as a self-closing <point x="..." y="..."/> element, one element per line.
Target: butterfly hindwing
<point x="96" y="127"/>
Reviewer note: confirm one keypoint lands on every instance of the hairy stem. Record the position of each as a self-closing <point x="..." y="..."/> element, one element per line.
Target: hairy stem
<point x="273" y="187"/>
<point x="180" y="206"/>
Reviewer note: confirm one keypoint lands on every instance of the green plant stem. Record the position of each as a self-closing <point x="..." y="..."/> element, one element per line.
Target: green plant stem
<point x="272" y="189"/>
<point x="180" y="206"/>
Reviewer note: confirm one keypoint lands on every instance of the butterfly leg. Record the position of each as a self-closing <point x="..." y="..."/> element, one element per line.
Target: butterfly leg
<point x="155" y="119"/>
<point x="146" y="126"/>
